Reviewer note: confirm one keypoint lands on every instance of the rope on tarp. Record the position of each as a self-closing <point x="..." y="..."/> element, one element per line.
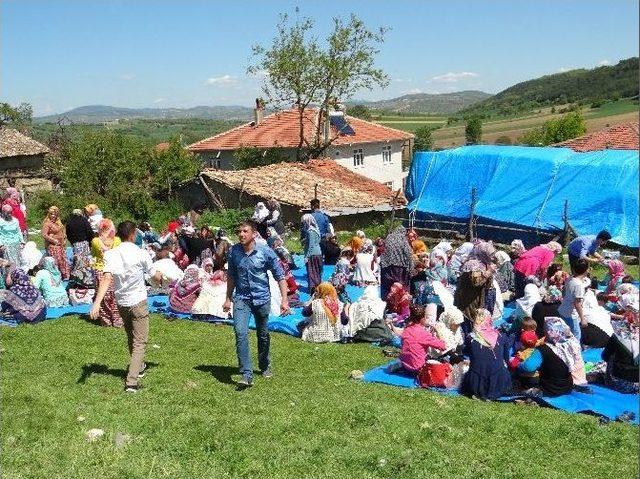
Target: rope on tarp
<point x="412" y="213"/>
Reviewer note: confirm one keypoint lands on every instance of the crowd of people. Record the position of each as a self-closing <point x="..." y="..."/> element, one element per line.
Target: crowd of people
<point x="443" y="308"/>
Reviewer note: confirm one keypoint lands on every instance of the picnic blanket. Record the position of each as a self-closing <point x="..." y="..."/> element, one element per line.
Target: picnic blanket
<point x="603" y="401"/>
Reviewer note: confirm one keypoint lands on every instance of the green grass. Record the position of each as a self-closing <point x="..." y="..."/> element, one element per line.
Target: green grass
<point x="613" y="108"/>
<point x="411" y="126"/>
<point x="310" y="420"/>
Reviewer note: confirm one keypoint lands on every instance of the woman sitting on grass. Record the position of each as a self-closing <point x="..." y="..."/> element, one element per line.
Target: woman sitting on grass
<point x="22" y="302"/>
<point x="417" y="340"/>
<point x="488" y="376"/>
<point x="326" y="316"/>
<point x="49" y="281"/>
<point x="622" y="352"/>
<point x="212" y="296"/>
<point x="186" y="291"/>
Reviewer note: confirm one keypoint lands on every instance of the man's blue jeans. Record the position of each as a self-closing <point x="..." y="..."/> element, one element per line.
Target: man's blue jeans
<point x="242" y="311"/>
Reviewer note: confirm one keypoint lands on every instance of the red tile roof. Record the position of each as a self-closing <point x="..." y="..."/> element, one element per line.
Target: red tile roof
<point x="617" y="137"/>
<point x="282" y="130"/>
<point x="294" y="184"/>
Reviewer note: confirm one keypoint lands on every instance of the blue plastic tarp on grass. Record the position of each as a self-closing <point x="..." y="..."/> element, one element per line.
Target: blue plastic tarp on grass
<point x="602" y="401"/>
<point x="528" y="186"/>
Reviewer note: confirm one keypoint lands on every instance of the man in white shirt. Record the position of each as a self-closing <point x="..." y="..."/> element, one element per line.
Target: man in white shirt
<point x="126" y="265"/>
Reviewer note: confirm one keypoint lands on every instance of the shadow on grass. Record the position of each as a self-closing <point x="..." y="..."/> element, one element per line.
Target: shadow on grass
<point x="221" y="373"/>
<point x="89" y="369"/>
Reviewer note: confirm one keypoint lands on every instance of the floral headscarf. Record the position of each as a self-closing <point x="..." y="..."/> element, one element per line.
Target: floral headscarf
<point x="190" y="282"/>
<point x="309" y="222"/>
<point x="398" y="298"/>
<point x="559" y="338"/>
<point x="554" y="246"/>
<point x="484" y="251"/>
<point x="517" y="246"/>
<point x="483" y="330"/>
<point x="616" y="273"/>
<point x="106" y="232"/>
<point x="22" y="287"/>
<point x="367" y="247"/>
<point x="552" y="295"/>
<point x="627" y="288"/>
<point x="329" y="296"/>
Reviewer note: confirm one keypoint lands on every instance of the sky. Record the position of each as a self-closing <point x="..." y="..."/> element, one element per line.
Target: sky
<point x="61" y="54"/>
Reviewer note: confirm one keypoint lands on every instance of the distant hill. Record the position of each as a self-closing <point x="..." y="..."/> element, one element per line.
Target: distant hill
<point x="602" y="83"/>
<point x="443" y="103"/>
<point x="100" y="114"/>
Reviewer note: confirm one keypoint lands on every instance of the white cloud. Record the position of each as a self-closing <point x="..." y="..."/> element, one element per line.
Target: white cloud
<point x="414" y="91"/>
<point x="603" y="63"/>
<point x="452" y="77"/>
<point x="403" y="80"/>
<point x="224" y="80"/>
<point x="564" y="69"/>
<point x="158" y="100"/>
<point x="127" y="76"/>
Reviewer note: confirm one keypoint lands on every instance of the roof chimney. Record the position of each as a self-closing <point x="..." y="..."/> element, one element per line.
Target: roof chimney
<point x="258" y="111"/>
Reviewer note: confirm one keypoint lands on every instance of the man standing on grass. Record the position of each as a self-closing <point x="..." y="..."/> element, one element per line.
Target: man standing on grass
<point x="126" y="265"/>
<point x="248" y="266"/>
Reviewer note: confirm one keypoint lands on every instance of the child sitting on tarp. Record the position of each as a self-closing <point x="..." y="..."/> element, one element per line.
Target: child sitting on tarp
<point x="528" y="341"/>
<point x="416" y="341"/>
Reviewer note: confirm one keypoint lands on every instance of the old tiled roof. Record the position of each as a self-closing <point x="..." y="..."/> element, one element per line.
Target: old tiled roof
<point x="617" y="137"/>
<point x="14" y="143"/>
<point x="282" y="130"/>
<point x="294" y="184"/>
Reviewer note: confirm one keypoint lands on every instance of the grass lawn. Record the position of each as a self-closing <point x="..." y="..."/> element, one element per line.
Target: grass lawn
<point x="310" y="420"/>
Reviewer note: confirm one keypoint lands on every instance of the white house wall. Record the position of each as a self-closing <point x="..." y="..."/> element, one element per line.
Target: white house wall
<point x="373" y="167"/>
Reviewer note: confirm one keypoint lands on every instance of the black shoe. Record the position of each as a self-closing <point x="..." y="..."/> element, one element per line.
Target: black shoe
<point x="142" y="371"/>
<point x="132" y="389"/>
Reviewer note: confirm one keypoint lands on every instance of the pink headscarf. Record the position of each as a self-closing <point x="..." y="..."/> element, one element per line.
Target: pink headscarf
<point x="483" y="330"/>
<point x="431" y="313"/>
<point x="13" y="194"/>
<point x="616" y="271"/>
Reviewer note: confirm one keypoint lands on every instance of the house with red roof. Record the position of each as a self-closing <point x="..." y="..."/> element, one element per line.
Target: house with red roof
<point x="368" y="149"/>
<point x="623" y="136"/>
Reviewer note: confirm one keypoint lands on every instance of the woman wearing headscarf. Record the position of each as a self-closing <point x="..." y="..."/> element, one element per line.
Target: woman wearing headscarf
<point x="312" y="252"/>
<point x="448" y="329"/>
<point x="517" y="249"/>
<point x="437" y="269"/>
<point x="475" y="284"/>
<point x="21" y="301"/>
<point x="275" y="242"/>
<point x="524" y="306"/>
<point x="55" y="240"/>
<point x="49" y="281"/>
<point x="13" y="199"/>
<point x="622" y="352"/>
<point x="396" y="263"/>
<point x="274" y="218"/>
<point x="185" y="292"/>
<point x="212" y="296"/>
<point x="556" y="359"/>
<point x="94" y="216"/>
<point x="420" y="262"/>
<point x="548" y="307"/>
<point x="11" y="238"/>
<point x="30" y="257"/>
<point x="616" y="273"/>
<point x="488" y="376"/>
<point x="106" y="241"/>
<point x="599" y="326"/>
<point x="326" y="316"/>
<point x="364" y="272"/>
<point x="355" y="243"/>
<point x="331" y="249"/>
<point x="459" y="256"/>
<point x="366" y="309"/>
<point x="534" y="262"/>
<point x="555" y="276"/>
<point x="260" y="215"/>
<point x="504" y="274"/>
<point x="80" y="234"/>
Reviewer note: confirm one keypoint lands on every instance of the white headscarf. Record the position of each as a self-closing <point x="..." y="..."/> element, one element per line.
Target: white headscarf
<point x="30" y="256"/>
<point x="260" y="212"/>
<point x="460" y="256"/>
<point x="368" y="307"/>
<point x="501" y="258"/>
<point x="530" y="298"/>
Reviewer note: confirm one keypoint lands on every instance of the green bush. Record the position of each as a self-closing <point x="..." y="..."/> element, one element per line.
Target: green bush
<point x="503" y="140"/>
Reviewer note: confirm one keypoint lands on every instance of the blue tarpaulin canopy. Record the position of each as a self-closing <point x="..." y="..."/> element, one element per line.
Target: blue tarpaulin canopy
<point x="528" y="186"/>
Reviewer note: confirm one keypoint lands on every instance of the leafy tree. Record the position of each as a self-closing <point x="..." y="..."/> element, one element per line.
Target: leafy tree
<point x="473" y="131"/>
<point x="303" y="71"/>
<point x="249" y="157"/>
<point x="556" y="130"/>
<point x="360" y="111"/>
<point x="423" y="139"/>
<point x="19" y="117"/>
<point x="170" y="167"/>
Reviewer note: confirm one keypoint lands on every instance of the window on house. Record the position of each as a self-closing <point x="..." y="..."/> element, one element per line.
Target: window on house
<point x="337" y="153"/>
<point x="358" y="157"/>
<point x="386" y="155"/>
